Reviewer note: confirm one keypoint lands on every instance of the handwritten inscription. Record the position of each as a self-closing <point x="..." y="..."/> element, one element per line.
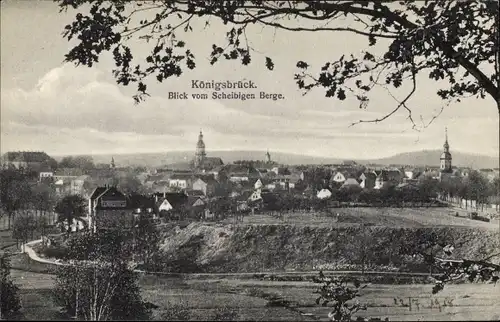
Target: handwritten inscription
<point x="417" y="304"/>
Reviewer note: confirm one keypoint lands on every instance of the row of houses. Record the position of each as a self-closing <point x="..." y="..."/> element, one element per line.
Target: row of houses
<point x="232" y="175"/>
<point x="110" y="208"/>
<point x="376" y="179"/>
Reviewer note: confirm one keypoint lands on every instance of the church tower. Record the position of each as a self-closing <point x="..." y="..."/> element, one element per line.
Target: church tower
<point x="200" y="154"/>
<point x="112" y="164"/>
<point x="268" y="157"/>
<point x="445" y="164"/>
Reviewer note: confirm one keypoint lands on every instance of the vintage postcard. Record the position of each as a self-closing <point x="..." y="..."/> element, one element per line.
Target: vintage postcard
<point x="250" y="160"/>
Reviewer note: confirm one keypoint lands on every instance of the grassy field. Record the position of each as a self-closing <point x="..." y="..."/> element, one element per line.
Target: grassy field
<point x="232" y="299"/>
<point x="253" y="300"/>
<point x="391" y="217"/>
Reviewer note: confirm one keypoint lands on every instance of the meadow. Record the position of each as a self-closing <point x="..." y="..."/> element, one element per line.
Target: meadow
<point x="390" y="217"/>
<point x="237" y="299"/>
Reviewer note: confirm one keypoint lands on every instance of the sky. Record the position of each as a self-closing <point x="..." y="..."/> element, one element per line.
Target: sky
<point x="62" y="109"/>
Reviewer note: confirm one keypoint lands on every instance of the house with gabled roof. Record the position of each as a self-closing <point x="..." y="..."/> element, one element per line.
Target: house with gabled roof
<point x="109" y="209"/>
<point x="196" y="201"/>
<point x="367" y="180"/>
<point x="206" y="184"/>
<point x="181" y="181"/>
<point x="388" y="177"/>
<point x="143" y="205"/>
<point x="215" y="171"/>
<point x="281" y="170"/>
<point x="238" y="177"/>
<point x="247" y="199"/>
<point x="340" y="177"/>
<point x="170" y="200"/>
<point x="350" y="182"/>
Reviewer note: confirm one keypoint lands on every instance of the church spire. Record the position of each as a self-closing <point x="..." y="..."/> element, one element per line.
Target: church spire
<point x="446" y="155"/>
<point x="200" y="151"/>
<point x="446" y="146"/>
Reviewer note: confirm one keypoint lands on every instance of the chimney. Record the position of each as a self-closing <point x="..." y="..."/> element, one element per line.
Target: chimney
<point x="156" y="198"/>
<point x="164" y="194"/>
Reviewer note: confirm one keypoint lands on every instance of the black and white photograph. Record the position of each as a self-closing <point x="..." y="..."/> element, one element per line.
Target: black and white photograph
<point x="244" y="160"/>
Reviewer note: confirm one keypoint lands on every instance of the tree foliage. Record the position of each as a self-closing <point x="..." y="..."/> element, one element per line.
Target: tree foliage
<point x="71" y="208"/>
<point x="481" y="270"/>
<point x="15" y="191"/>
<point x="104" y="245"/>
<point x="477" y="187"/>
<point x="451" y="41"/>
<point x="44" y="198"/>
<point x="129" y="184"/>
<point x="100" y="292"/>
<point x="10" y="303"/>
<point x="80" y="162"/>
<point x="24" y="226"/>
<point x="101" y="285"/>
<point x="147" y="241"/>
<point x="342" y="295"/>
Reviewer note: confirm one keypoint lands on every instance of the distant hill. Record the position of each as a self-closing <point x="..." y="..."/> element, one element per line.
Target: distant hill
<point x="420" y="158"/>
<point x="431" y="157"/>
<point x="176" y="157"/>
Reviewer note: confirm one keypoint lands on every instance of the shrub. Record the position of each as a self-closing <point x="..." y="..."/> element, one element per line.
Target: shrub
<point x="10" y="303"/>
<point x="341" y="296"/>
<point x="58" y="252"/>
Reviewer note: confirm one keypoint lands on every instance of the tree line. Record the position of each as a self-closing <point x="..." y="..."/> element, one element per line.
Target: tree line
<point x="21" y="193"/>
<point x="472" y="187"/>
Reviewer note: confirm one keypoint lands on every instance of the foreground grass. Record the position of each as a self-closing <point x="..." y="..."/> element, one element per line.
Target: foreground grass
<point x="233" y="299"/>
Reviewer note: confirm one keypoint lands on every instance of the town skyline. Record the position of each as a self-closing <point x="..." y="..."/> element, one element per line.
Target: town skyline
<point x="64" y="110"/>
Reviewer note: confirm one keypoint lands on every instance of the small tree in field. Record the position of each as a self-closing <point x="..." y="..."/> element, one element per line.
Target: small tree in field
<point x="341" y="296"/>
<point x="9" y="297"/>
<point x="103" y="286"/>
<point x="99" y="292"/>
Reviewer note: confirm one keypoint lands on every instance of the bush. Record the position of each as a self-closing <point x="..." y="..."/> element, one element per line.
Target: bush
<point x="57" y="252"/>
<point x="481" y="218"/>
<point x="10" y="303"/>
<point x="473" y="215"/>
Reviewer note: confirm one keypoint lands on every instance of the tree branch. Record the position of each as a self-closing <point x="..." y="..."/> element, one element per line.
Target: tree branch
<point x="400" y="105"/>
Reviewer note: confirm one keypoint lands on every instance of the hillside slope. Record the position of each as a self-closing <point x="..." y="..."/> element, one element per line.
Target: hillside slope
<point x="431" y="158"/>
<point x="251" y="248"/>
